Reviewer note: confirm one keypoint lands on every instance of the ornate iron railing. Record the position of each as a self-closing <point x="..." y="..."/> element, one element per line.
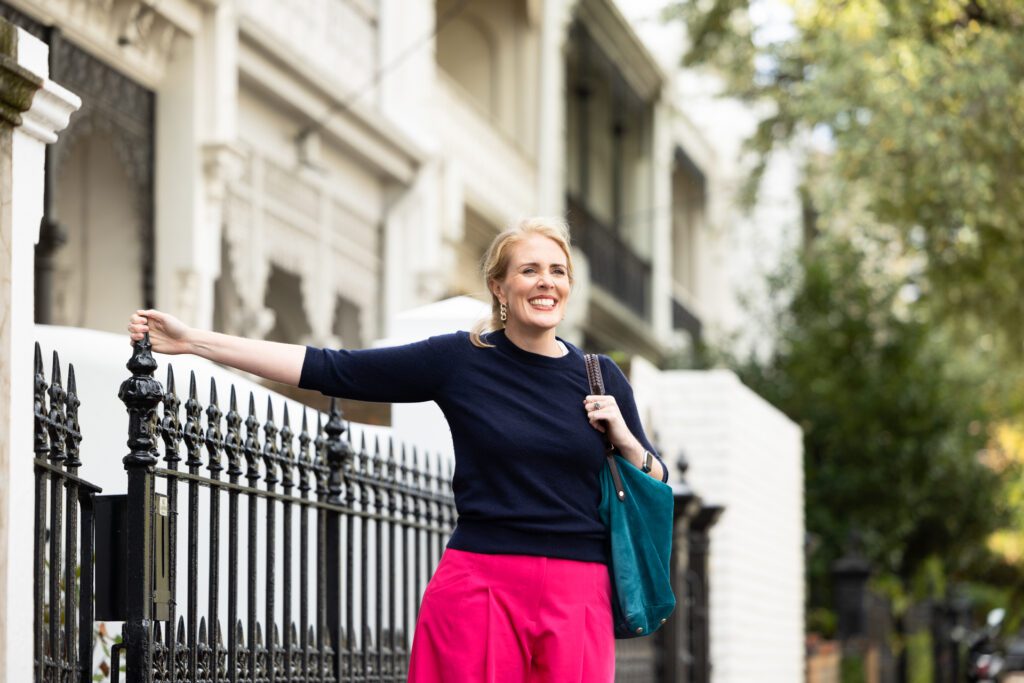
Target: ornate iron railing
<point x="379" y="518"/>
<point x="63" y="546"/>
<point x="614" y="265"/>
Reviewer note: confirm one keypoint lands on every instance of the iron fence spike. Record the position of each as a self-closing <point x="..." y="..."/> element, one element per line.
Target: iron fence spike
<point x="233" y="400"/>
<point x="213" y="392"/>
<point x="55" y="370"/>
<point x="202" y="631"/>
<point x="181" y="630"/>
<point x="39" y="358"/>
<point x="192" y="392"/>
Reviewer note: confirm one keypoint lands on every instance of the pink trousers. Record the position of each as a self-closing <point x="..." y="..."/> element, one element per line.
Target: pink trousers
<point x="514" y="619"/>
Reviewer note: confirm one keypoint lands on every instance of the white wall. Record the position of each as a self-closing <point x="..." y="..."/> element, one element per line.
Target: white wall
<point x="748" y="457"/>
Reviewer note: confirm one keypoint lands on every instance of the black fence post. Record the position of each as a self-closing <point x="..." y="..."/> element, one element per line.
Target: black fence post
<point x="338" y="453"/>
<point x="850" y="575"/>
<point x="140" y="393"/>
<point x="700" y="605"/>
<point x="673" y="639"/>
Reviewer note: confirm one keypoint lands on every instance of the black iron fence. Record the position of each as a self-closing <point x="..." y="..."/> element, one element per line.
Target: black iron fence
<point x="245" y="550"/>
<point x="63" y="546"/>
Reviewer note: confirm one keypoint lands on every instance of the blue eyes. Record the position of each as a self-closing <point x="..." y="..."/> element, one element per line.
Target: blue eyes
<point x="557" y="271"/>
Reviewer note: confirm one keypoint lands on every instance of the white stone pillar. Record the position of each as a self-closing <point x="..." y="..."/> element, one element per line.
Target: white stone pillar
<point x="556" y="17"/>
<point x="413" y="246"/>
<point x="196" y="158"/>
<point x="33" y="111"/>
<point x="405" y="51"/>
<point x="662" y="153"/>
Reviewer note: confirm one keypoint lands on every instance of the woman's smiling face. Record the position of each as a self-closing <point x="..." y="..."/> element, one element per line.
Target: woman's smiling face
<point x="536" y="285"/>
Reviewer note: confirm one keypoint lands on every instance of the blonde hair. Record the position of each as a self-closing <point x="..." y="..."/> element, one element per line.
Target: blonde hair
<point x="496" y="260"/>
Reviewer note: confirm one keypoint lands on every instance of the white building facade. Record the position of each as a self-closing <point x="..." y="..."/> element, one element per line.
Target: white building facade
<point x="304" y="171"/>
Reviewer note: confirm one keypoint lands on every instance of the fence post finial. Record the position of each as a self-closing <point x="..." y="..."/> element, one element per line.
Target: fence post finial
<point x="141" y="393"/>
<point x="339" y="452"/>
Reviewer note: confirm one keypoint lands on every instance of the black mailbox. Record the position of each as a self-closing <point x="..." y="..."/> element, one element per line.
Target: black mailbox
<point x="112" y="558"/>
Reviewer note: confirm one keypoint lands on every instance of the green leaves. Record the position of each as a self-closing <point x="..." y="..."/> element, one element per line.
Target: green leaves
<point x="887" y="407"/>
<point x="923" y="104"/>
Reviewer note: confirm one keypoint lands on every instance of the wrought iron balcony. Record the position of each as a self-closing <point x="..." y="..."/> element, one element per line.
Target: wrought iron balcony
<point x="685" y="319"/>
<point x="614" y="265"/>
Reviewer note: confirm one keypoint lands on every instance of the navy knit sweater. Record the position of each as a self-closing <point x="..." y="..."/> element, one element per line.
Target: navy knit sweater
<point x="526" y="458"/>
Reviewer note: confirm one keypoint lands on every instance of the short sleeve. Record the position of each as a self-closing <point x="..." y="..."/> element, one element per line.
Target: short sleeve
<point x="410" y="373"/>
<point x="618" y="386"/>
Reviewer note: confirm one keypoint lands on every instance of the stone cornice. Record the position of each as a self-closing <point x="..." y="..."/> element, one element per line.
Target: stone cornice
<point x="18" y="87"/>
<point x="51" y="110"/>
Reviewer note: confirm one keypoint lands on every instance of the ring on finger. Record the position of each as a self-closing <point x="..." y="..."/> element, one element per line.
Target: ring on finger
<point x="597" y="405"/>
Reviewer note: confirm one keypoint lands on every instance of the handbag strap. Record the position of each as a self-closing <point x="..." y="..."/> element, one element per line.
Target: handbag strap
<point x="597" y="388"/>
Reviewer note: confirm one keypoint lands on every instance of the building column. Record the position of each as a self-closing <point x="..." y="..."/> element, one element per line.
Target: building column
<point x="556" y="17"/>
<point x="33" y="110"/>
<point x="196" y="158"/>
<point x="662" y="158"/>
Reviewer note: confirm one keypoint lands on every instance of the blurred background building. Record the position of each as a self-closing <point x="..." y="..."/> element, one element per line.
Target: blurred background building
<point x="303" y="171"/>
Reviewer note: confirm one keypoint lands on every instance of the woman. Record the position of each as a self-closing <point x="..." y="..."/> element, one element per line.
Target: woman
<point x="522" y="592"/>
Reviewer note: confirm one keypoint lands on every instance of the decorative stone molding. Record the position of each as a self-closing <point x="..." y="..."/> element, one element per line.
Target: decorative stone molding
<point x="18" y="85"/>
<point x="50" y="113"/>
<point x="138" y="35"/>
<point x="223" y="164"/>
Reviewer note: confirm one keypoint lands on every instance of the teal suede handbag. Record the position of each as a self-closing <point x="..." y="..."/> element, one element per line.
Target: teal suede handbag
<point x="637" y="509"/>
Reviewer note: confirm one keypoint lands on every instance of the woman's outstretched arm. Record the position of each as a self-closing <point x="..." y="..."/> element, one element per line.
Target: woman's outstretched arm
<point x="270" y="360"/>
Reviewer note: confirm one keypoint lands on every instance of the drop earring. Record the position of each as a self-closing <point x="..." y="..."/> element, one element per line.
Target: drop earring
<point x="504" y="313"/>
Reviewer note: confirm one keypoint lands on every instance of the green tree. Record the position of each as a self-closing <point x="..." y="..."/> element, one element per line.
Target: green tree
<point x="923" y="103"/>
<point x="894" y="419"/>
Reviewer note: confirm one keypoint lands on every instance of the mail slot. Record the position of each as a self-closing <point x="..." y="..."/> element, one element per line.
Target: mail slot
<point x="112" y="558"/>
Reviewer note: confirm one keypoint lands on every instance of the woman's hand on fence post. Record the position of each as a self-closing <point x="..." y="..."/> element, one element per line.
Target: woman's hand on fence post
<point x="271" y="360"/>
<point x="167" y="334"/>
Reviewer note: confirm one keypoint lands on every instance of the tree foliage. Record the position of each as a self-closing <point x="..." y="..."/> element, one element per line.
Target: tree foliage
<point x="895" y="424"/>
<point x="922" y="102"/>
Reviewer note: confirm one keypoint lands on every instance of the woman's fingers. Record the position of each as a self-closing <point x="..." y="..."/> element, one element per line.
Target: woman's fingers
<point x="601" y="411"/>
